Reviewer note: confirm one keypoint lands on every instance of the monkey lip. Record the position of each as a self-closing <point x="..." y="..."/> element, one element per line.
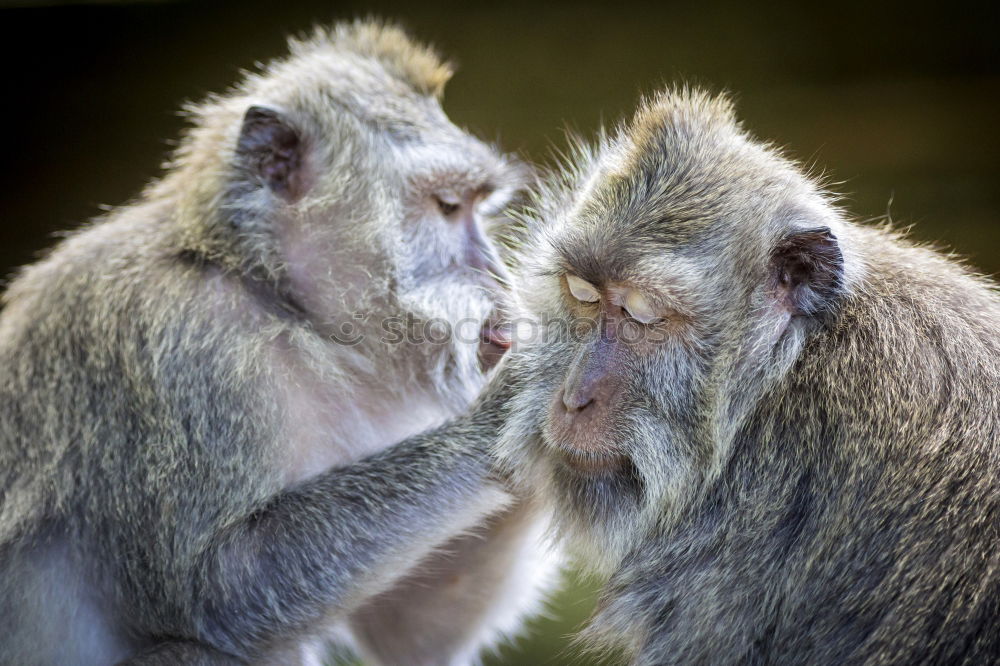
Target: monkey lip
<point x="591" y="463"/>
<point x="494" y="341"/>
<point x="498" y="336"/>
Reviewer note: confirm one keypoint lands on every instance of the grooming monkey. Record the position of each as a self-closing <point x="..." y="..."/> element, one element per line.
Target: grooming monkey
<point x="200" y="391"/>
<point x="780" y="440"/>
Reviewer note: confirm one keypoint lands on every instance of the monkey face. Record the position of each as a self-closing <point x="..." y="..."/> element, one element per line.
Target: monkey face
<point x="454" y="190"/>
<point x="583" y="422"/>
<point x="617" y="424"/>
<point x="699" y="261"/>
<point x="382" y="212"/>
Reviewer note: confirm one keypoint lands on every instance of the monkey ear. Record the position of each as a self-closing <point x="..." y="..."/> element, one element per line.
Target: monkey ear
<point x="271" y="151"/>
<point x="807" y="269"/>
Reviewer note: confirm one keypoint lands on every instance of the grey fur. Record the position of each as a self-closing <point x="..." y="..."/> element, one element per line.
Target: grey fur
<point x="189" y="465"/>
<point x="813" y="473"/>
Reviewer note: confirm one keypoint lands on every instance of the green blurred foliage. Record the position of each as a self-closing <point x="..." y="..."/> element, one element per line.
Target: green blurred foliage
<point x="549" y="638"/>
<point x="896" y="103"/>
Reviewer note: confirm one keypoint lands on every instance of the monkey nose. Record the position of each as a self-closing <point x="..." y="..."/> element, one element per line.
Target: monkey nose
<point x="576" y="401"/>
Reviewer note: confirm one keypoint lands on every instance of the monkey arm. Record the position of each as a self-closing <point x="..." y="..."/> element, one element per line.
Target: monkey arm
<point x="322" y="548"/>
<point x="469" y="594"/>
<point x="462" y="598"/>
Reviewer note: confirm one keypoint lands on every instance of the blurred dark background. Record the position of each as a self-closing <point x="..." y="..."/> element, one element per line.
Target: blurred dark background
<point x="896" y="102"/>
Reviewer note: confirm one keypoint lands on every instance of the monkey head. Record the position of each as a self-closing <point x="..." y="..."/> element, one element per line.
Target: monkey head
<point x="347" y="192"/>
<point x="674" y="273"/>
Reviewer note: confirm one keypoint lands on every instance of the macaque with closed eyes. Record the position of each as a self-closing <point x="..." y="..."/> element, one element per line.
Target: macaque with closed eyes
<point x="773" y="431"/>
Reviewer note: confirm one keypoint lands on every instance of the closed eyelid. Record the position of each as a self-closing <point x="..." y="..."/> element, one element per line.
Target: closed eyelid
<point x="581" y="290"/>
<point x="641" y="308"/>
<point x="648" y="305"/>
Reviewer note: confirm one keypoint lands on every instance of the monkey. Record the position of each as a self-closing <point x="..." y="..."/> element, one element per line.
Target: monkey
<point x="203" y="390"/>
<point x="772" y="431"/>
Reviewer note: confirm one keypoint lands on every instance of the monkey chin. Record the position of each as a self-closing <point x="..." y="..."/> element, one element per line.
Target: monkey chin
<point x="587" y="463"/>
<point x="596" y="500"/>
<point x="584" y="458"/>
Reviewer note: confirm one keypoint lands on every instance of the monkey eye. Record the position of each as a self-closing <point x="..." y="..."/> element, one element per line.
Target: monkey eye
<point x="582" y="290"/>
<point x="639" y="308"/>
<point x="447" y="207"/>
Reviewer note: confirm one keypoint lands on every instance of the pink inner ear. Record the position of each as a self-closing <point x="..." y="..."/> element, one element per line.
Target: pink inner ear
<point x="807" y="268"/>
<point x="282" y="171"/>
<point x="783" y="292"/>
<point x="273" y="151"/>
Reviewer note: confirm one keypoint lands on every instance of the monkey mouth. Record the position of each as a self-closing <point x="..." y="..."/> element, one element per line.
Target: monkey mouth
<point x="591" y="463"/>
<point x="494" y="341"/>
<point x="581" y="442"/>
